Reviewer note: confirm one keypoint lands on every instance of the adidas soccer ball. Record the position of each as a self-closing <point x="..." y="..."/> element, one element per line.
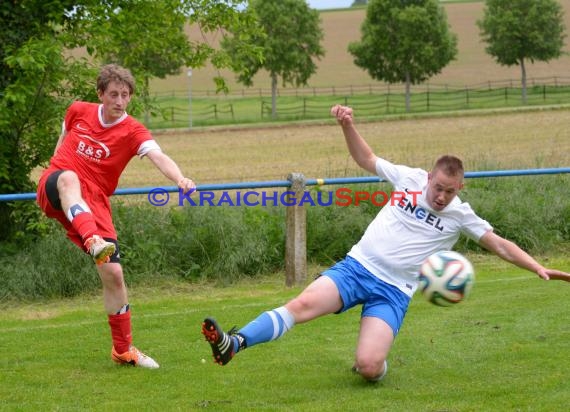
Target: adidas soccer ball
<point x="446" y="278"/>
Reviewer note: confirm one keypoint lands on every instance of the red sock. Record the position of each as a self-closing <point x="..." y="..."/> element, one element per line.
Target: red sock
<point x="121" y="331"/>
<point x="85" y="225"/>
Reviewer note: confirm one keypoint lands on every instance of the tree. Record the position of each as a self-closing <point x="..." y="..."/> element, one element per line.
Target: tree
<point x="405" y="41"/>
<point x="39" y="77"/>
<point x="291" y="40"/>
<point x="32" y="72"/>
<point x="121" y="32"/>
<point x="519" y="30"/>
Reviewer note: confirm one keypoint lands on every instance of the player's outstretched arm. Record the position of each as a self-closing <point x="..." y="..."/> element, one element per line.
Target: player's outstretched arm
<point x="357" y="146"/>
<point x="510" y="252"/>
<point x="170" y="169"/>
<point x="557" y="274"/>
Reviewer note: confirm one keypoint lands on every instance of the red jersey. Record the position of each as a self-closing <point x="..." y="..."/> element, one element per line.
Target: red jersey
<point x="96" y="151"/>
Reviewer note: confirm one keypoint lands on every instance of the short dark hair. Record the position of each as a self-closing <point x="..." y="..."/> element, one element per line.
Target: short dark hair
<point x="450" y="165"/>
<point x="116" y="73"/>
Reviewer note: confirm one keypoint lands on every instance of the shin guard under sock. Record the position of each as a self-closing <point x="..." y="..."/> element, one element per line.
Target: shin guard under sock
<point x="121" y="331"/>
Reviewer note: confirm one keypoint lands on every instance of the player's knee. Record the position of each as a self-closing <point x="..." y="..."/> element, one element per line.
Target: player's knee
<point x="67" y="179"/>
<point x="302" y="308"/>
<point x="297" y="307"/>
<point x="112" y="276"/>
<point x="369" y="368"/>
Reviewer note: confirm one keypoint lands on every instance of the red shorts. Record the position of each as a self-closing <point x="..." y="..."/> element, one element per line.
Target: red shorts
<point x="97" y="201"/>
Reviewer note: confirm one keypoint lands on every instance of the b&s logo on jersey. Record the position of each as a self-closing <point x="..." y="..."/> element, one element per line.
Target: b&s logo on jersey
<point x="92" y="149"/>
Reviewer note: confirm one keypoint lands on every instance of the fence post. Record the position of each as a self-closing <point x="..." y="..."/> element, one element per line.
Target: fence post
<point x="296" y="233"/>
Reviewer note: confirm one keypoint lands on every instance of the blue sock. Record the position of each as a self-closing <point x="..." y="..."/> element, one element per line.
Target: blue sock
<point x="266" y="327"/>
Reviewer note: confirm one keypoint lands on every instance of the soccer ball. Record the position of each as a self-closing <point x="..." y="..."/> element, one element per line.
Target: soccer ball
<point x="446" y="278"/>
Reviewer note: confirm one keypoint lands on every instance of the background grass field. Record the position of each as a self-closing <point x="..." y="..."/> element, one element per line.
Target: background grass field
<point x="485" y="142"/>
<point x="337" y="75"/>
<point x="472" y="66"/>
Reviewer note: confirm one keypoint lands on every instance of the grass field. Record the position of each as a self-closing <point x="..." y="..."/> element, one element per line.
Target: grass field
<point x="513" y="140"/>
<point x="501" y="350"/>
<point x="176" y="112"/>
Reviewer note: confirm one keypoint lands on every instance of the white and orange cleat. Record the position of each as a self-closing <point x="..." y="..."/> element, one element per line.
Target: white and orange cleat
<point x="99" y="249"/>
<point x="134" y="357"/>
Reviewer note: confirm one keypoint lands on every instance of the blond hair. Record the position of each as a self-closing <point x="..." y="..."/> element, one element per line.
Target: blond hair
<point x="115" y="73"/>
<point x="450" y="165"/>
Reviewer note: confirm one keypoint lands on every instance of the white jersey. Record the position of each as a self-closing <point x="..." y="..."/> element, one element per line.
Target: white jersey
<point x="403" y="235"/>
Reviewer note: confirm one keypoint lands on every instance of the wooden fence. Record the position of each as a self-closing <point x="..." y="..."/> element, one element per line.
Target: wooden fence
<point x="377" y="100"/>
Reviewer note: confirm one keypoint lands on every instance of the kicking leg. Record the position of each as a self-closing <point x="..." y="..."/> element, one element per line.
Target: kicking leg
<point x="64" y="188"/>
<point x="319" y="298"/>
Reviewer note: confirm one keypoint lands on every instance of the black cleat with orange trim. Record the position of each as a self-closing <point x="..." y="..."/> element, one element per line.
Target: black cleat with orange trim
<point x="222" y="343"/>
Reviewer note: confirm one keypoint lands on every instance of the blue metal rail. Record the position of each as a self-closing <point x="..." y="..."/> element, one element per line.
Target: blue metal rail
<point x="308" y="182"/>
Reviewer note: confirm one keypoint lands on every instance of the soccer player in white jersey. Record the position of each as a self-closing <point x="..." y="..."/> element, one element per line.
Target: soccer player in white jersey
<point x="380" y="271"/>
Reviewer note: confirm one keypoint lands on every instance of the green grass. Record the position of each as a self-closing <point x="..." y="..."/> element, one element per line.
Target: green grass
<point x="502" y="350"/>
<point x="208" y="111"/>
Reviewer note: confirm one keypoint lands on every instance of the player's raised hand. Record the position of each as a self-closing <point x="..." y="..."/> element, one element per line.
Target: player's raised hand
<point x="343" y="114"/>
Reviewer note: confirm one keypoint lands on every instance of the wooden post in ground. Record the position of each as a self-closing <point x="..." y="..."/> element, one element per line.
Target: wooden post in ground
<point x="296" y="233"/>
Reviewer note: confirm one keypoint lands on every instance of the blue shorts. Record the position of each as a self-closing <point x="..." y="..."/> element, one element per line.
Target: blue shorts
<point x="379" y="299"/>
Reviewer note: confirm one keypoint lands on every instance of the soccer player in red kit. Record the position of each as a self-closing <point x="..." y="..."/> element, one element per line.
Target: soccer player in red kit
<point x="96" y="143"/>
